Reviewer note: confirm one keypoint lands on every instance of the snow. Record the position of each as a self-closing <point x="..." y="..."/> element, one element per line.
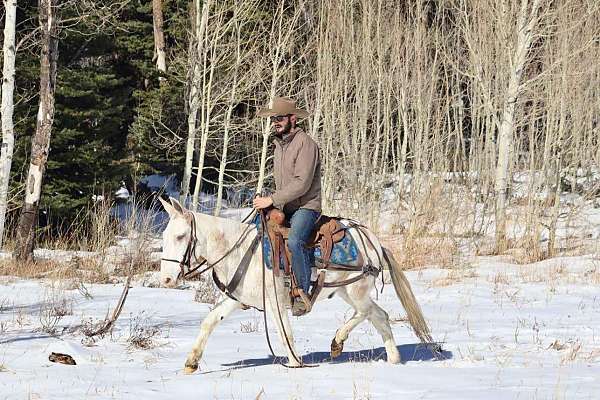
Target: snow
<point x="526" y="331"/>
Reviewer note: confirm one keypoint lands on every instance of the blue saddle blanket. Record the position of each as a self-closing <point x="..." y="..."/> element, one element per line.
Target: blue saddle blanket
<point x="344" y="252"/>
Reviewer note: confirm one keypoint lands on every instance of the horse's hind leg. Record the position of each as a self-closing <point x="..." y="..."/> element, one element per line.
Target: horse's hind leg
<point x="222" y="310"/>
<point x="337" y="344"/>
<point x="381" y="321"/>
<point x="359" y="296"/>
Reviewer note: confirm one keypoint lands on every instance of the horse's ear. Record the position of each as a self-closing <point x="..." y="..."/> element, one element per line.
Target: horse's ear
<point x="177" y="206"/>
<point x="168" y="207"/>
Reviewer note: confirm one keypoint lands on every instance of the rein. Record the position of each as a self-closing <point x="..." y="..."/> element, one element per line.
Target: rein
<point x="263" y="235"/>
<point x="190" y="251"/>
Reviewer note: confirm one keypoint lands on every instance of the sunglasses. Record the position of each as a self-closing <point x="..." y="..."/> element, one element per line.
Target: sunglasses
<point x="278" y="118"/>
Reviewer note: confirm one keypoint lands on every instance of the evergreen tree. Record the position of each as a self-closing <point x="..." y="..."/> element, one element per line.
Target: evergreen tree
<point x="110" y="110"/>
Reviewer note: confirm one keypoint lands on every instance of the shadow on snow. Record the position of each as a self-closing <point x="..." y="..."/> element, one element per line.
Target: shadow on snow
<point x="408" y="352"/>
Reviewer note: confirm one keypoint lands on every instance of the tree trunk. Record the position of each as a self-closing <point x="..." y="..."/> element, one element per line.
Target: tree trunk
<point x="266" y="133"/>
<point x="207" y="107"/>
<point x="159" y="37"/>
<point x="8" y="86"/>
<point x="201" y="17"/>
<point x="223" y="162"/>
<point x="505" y="136"/>
<point x="40" y="143"/>
<point x="232" y="98"/>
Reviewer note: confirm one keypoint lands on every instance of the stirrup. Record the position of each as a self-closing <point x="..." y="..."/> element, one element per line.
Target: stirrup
<point x="301" y="296"/>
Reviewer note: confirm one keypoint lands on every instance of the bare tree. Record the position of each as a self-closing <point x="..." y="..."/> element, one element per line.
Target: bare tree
<point x="40" y="143"/>
<point x="233" y="99"/>
<point x="526" y="23"/>
<point x="159" y="37"/>
<point x="201" y="13"/>
<point x="213" y="92"/>
<point x="425" y="96"/>
<point x="8" y="86"/>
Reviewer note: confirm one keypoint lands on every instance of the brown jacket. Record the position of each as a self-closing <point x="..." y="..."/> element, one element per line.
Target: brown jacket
<point x="297" y="172"/>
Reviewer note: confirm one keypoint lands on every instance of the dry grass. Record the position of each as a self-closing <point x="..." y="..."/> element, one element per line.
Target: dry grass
<point x="454" y="276"/>
<point x="558" y="274"/>
<point x="3" y="327"/>
<point x="32" y="269"/>
<point x="500" y="278"/>
<point x="416" y="253"/>
<point x="593" y="275"/>
<point x="432" y="216"/>
<point x="249" y="326"/>
<point x="142" y="335"/>
<point x="76" y="269"/>
<point x="49" y="319"/>
<point x="525" y="250"/>
<point x="206" y="292"/>
<point x="93" y="234"/>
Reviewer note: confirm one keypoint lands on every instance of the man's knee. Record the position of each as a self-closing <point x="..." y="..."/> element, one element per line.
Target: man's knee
<point x="296" y="244"/>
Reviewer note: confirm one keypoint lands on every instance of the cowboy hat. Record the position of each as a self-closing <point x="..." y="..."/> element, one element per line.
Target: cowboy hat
<point x="282" y="106"/>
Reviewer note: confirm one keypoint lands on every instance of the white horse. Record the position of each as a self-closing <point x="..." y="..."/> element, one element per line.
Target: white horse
<point x="194" y="236"/>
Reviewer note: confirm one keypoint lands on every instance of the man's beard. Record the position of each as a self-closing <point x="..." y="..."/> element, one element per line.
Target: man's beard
<point x="286" y="129"/>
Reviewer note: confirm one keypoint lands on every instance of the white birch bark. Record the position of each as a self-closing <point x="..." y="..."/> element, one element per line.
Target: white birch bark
<point x="205" y="131"/>
<point x="525" y="26"/>
<point x="200" y="21"/>
<point x="223" y="162"/>
<point x="227" y="127"/>
<point x="8" y="86"/>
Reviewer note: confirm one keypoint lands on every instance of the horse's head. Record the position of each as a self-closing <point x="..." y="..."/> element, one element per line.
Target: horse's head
<point x="178" y="245"/>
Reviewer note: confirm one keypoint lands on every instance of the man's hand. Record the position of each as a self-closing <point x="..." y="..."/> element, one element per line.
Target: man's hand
<point x="262" y="202"/>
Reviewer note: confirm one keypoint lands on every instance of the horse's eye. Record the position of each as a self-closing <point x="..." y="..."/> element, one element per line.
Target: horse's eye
<point x="180" y="237"/>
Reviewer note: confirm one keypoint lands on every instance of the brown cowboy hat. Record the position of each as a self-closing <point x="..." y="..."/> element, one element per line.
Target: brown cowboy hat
<point x="282" y="106"/>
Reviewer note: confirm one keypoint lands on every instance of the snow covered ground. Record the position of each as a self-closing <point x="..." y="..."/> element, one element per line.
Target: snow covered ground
<point x="509" y="332"/>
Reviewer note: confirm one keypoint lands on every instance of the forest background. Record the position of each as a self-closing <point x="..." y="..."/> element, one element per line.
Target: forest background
<point x="447" y="104"/>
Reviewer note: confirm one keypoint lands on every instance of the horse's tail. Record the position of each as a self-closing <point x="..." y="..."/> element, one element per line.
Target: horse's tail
<point x="407" y="298"/>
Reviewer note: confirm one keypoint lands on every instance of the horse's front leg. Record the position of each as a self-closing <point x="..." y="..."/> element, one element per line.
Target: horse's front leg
<point x="221" y="310"/>
<point x="280" y="316"/>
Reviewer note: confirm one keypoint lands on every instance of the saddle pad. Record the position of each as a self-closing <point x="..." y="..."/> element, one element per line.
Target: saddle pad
<point x="343" y="252"/>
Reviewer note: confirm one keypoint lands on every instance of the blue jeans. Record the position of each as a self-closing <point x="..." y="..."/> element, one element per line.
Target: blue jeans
<point x="302" y="224"/>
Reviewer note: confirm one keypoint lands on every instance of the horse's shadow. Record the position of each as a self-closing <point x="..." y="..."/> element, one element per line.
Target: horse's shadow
<point x="408" y="352"/>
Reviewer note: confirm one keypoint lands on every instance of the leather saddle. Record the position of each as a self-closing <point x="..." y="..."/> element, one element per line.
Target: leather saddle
<point x="327" y="232"/>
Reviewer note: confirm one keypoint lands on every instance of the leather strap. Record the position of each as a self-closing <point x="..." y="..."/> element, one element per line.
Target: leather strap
<point x="222" y="288"/>
<point x="241" y="269"/>
<point x="275" y="253"/>
<point x="346" y="282"/>
<point x="317" y="288"/>
<point x="287" y="269"/>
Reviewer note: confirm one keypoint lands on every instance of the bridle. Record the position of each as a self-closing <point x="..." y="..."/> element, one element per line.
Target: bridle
<point x="190" y="257"/>
<point x="190" y="253"/>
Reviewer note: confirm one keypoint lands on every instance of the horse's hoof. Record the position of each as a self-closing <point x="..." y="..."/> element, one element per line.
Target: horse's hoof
<point x="190" y="369"/>
<point x="336" y="348"/>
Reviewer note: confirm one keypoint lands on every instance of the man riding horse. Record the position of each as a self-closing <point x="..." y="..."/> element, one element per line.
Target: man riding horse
<point x="297" y="172"/>
<point x="192" y="240"/>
